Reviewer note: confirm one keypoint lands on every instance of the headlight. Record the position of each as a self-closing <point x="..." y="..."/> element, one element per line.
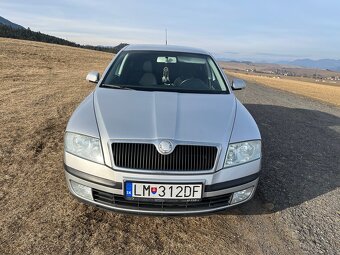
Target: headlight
<point x="84" y="146"/>
<point x="239" y="153"/>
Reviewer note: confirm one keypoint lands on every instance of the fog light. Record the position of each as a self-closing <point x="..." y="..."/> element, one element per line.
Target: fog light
<point x="242" y="195"/>
<point x="81" y="190"/>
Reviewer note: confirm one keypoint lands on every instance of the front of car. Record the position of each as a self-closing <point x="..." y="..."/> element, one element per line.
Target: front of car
<point x="162" y="133"/>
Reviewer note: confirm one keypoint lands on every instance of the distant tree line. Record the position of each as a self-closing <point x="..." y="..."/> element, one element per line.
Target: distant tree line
<point x="27" y="34"/>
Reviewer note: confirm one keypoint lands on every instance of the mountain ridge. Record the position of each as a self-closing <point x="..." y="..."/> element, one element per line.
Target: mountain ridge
<point x="326" y="63"/>
<point x="9" y="29"/>
<point x="13" y="30"/>
<point x="6" y="22"/>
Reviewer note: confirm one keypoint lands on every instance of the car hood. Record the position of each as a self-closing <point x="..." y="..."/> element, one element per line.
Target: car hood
<point x="149" y="115"/>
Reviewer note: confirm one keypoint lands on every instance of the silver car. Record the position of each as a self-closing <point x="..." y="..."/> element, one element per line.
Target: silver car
<point x="162" y="133"/>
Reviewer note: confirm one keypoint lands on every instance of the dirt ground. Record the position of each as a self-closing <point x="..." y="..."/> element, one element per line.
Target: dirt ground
<point x="41" y="84"/>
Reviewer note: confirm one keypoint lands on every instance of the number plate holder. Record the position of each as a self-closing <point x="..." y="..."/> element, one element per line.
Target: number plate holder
<point x="182" y="192"/>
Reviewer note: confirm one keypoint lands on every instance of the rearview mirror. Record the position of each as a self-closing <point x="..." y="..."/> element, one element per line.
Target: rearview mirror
<point x="238" y="84"/>
<point x="93" y="76"/>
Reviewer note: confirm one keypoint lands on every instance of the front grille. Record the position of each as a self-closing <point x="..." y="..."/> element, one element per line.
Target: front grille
<point x="121" y="202"/>
<point x="146" y="157"/>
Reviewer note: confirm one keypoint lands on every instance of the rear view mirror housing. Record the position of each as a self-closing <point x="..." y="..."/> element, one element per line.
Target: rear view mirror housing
<point x="238" y="84"/>
<point x="93" y="76"/>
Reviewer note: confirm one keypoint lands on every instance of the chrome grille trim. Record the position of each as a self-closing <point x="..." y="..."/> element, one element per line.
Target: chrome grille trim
<point x="186" y="157"/>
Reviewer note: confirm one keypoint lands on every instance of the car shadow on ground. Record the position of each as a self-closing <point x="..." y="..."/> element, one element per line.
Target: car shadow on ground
<point x="300" y="157"/>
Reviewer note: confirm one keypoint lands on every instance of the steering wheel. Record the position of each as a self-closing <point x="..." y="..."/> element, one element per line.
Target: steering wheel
<point x="185" y="81"/>
<point x="194" y="83"/>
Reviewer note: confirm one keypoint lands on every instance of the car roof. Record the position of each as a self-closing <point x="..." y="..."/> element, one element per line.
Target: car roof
<point x="174" y="48"/>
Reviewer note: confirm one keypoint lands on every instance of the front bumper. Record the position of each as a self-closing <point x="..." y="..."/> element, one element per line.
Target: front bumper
<point x="108" y="192"/>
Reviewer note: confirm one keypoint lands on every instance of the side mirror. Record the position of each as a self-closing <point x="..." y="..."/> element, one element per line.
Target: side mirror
<point x="93" y="76"/>
<point x="238" y="84"/>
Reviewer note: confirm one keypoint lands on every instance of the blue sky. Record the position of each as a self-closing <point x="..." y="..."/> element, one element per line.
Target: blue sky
<point x="259" y="30"/>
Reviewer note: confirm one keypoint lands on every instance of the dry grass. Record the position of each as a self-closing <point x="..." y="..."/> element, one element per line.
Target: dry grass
<point x="40" y="86"/>
<point x="326" y="93"/>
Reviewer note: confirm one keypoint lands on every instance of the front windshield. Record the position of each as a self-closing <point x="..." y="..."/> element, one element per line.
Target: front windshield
<point x="165" y="71"/>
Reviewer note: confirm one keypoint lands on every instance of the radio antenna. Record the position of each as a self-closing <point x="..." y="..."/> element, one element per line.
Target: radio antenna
<point x="166" y="36"/>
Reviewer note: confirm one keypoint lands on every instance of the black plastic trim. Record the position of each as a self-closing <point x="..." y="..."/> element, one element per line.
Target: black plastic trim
<point x="232" y="183"/>
<point x="119" y="185"/>
<point x="92" y="178"/>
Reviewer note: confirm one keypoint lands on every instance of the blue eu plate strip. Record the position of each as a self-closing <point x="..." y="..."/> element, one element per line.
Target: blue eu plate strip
<point x="128" y="189"/>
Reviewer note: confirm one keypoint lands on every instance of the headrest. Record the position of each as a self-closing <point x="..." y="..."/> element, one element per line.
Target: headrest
<point x="147" y="67"/>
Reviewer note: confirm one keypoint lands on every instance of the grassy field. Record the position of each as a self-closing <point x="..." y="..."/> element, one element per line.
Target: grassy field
<point x="299" y="73"/>
<point x="326" y="93"/>
<point x="41" y="85"/>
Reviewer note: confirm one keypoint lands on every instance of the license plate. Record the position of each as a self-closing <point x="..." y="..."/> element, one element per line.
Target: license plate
<point x="163" y="191"/>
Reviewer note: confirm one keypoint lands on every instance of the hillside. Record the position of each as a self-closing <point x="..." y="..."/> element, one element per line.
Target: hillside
<point x="8" y="23"/>
<point x="330" y="64"/>
<point x="278" y="69"/>
<point x="15" y="31"/>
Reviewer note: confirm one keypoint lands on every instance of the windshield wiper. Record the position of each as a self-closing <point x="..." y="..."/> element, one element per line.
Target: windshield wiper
<point x="116" y="86"/>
